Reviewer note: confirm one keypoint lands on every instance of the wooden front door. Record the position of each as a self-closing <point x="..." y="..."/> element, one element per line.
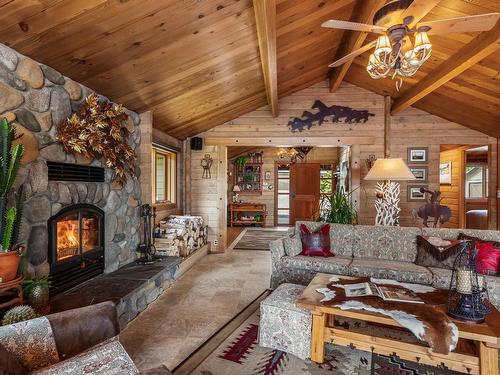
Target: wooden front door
<point x="304" y="191"/>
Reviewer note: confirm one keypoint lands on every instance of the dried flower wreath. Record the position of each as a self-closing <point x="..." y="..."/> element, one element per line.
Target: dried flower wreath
<point x="98" y="130"/>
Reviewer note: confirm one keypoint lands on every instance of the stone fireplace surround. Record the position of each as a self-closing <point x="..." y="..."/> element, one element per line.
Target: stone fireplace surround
<point x="37" y="98"/>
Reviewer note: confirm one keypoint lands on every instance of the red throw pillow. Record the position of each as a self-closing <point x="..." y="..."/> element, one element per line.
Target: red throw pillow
<point x="488" y="258"/>
<point x="316" y="244"/>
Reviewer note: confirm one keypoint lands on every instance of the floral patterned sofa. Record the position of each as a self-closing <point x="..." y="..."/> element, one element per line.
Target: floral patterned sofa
<point x="78" y="341"/>
<point x="373" y="251"/>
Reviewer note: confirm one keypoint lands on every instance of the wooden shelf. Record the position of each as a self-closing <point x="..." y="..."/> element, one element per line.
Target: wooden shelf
<point x="252" y="208"/>
<point x="249" y="177"/>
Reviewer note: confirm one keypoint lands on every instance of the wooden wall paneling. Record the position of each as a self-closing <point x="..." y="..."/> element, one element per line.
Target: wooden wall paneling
<point x="222" y="198"/>
<point x="356" y="176"/>
<point x="265" y="15"/>
<point x="412" y="127"/>
<point x="146" y="129"/>
<point x="453" y="195"/>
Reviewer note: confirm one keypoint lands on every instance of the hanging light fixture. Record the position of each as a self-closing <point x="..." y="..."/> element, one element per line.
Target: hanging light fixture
<point x="397" y="56"/>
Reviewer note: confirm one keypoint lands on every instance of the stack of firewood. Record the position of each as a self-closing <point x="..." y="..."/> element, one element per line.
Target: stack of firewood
<point x="180" y="235"/>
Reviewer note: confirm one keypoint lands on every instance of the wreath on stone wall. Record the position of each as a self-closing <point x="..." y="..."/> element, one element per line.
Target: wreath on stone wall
<point x="97" y="130"/>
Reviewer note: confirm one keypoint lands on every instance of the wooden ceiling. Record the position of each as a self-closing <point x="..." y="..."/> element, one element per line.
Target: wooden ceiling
<point x="196" y="63"/>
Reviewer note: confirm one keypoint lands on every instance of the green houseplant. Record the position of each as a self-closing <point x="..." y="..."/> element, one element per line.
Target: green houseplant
<point x="10" y="217"/>
<point x="337" y="208"/>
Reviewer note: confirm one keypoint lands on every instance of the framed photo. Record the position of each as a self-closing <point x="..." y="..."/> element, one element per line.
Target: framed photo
<point x="445" y="173"/>
<point x="417" y="155"/>
<point x="267" y="175"/>
<point x="414" y="193"/>
<point x="421" y="173"/>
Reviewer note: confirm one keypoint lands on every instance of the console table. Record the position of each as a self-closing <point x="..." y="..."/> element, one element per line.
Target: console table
<point x="247" y="208"/>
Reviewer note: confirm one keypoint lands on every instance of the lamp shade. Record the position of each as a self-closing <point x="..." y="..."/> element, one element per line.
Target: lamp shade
<point x="236" y="188"/>
<point x="390" y="169"/>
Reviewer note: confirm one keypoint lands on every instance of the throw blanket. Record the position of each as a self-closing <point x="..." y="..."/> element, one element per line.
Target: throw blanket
<point x="423" y="320"/>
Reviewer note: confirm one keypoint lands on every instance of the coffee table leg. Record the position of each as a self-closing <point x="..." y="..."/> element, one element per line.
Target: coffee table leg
<point x="318" y="337"/>
<point x="488" y="360"/>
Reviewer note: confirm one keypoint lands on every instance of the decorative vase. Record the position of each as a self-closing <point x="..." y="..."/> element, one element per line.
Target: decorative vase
<point x="9" y="264"/>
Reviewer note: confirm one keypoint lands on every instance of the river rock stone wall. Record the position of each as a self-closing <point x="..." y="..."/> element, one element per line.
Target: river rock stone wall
<point x="37" y="98"/>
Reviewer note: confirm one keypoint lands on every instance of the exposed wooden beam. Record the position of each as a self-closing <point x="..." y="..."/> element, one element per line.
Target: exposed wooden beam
<point x="363" y="12"/>
<point x="473" y="52"/>
<point x="265" y="15"/>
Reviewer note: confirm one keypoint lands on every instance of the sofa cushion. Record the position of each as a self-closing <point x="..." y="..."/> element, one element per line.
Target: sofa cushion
<point x="108" y="358"/>
<point x="387" y="269"/>
<point x="9" y="364"/>
<point x="318" y="264"/>
<point x="450" y="233"/>
<point x="385" y="242"/>
<point x="341" y="236"/>
<point x="292" y="245"/>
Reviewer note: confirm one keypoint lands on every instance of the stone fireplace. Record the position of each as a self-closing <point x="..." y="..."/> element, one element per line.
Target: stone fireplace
<point x="76" y="245"/>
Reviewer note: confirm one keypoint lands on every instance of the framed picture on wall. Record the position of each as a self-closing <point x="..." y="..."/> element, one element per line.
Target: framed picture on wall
<point x="414" y="194"/>
<point x="268" y="175"/>
<point x="445" y="173"/>
<point x="420" y="173"/>
<point x="417" y="155"/>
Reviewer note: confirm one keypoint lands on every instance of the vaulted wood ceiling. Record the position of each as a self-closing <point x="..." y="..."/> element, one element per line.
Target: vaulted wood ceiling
<point x="197" y="64"/>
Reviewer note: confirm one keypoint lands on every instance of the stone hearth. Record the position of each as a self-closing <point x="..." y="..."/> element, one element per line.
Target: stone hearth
<point x="37" y="98"/>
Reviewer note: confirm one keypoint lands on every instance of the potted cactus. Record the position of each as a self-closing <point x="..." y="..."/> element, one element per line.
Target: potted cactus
<point x="10" y="217"/>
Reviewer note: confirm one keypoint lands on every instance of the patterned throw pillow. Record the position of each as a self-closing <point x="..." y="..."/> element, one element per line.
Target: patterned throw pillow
<point x="293" y="246"/>
<point x="436" y="252"/>
<point x="316" y="243"/>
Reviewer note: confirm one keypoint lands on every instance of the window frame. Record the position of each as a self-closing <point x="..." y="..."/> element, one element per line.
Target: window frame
<point x="170" y="173"/>
<point x="484" y="181"/>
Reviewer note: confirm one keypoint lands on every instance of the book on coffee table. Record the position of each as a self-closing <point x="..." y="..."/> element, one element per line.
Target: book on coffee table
<point x="386" y="292"/>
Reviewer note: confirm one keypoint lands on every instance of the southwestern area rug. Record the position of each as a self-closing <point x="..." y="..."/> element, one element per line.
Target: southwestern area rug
<point x="234" y="350"/>
<point x="256" y="239"/>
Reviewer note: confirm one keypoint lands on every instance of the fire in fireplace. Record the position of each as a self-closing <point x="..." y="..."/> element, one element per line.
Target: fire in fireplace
<point x="76" y="245"/>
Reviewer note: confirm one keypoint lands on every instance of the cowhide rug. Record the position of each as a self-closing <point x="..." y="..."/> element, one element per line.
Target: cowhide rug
<point x="423" y="320"/>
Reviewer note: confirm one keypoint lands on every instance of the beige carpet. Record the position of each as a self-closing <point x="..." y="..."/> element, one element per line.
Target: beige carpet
<point x="257" y="239"/>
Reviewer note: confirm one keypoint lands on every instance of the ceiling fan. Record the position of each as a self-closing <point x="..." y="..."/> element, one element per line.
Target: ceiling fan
<point x="396" y="21"/>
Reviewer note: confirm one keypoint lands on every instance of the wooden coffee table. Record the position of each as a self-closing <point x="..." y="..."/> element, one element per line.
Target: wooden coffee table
<point x="476" y="352"/>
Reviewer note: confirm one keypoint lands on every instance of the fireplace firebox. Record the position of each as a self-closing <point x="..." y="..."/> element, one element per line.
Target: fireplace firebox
<point x="76" y="246"/>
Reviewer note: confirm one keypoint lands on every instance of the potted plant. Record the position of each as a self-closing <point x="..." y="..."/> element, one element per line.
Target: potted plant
<point x="37" y="291"/>
<point x="10" y="218"/>
<point x="240" y="162"/>
<point x="337" y="208"/>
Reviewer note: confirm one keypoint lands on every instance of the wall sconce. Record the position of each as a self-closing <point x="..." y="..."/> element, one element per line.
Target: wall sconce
<point x="370" y="160"/>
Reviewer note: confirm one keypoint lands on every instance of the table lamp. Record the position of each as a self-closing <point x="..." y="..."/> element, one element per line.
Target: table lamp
<point x="387" y="203"/>
<point x="236" y="196"/>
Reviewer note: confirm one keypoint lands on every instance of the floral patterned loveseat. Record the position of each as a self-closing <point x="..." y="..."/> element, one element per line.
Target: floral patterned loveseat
<point x="372" y="251"/>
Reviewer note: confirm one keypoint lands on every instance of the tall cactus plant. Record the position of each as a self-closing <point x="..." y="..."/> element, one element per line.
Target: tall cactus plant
<point x="10" y="161"/>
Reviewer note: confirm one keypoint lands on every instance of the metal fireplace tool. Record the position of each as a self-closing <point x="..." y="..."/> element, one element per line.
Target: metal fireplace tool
<point x="147" y="248"/>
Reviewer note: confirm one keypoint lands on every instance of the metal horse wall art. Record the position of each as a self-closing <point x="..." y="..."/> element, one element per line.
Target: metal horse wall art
<point x="433" y="209"/>
<point x="333" y="113"/>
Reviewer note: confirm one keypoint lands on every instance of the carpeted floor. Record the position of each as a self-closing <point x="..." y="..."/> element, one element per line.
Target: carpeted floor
<point x="234" y="350"/>
<point x="258" y="239"/>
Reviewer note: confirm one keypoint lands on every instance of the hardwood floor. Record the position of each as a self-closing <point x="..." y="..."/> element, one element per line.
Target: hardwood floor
<point x="233" y="233"/>
<point x="199" y="303"/>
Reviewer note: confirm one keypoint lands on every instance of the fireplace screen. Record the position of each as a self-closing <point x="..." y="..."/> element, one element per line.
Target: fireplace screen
<point x="76" y="245"/>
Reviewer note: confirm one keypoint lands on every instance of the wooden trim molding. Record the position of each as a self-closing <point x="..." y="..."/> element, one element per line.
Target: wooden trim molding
<point x="476" y="50"/>
<point x="265" y="17"/>
<point x="291" y="141"/>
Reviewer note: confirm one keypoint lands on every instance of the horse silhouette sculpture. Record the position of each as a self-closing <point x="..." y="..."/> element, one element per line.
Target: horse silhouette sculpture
<point x="433" y="209"/>
<point x="333" y="113"/>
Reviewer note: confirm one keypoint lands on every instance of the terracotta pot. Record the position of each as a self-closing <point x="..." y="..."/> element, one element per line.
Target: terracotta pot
<point x="9" y="263"/>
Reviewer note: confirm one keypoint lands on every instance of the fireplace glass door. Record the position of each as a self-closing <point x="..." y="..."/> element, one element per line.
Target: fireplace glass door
<point x="77" y="233"/>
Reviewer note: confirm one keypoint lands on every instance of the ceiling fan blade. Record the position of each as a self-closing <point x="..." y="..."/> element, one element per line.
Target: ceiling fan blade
<point x="480" y="22"/>
<point x="418" y="10"/>
<point x="353" y="54"/>
<point x="347" y="25"/>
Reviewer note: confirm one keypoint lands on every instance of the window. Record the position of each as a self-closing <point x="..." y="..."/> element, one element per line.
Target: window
<point x="326" y="186"/>
<point x="165" y="175"/>
<point x="476" y="181"/>
<point x="283" y="190"/>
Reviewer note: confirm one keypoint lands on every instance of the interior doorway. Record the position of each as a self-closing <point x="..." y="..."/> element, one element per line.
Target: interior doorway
<point x="464" y="184"/>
